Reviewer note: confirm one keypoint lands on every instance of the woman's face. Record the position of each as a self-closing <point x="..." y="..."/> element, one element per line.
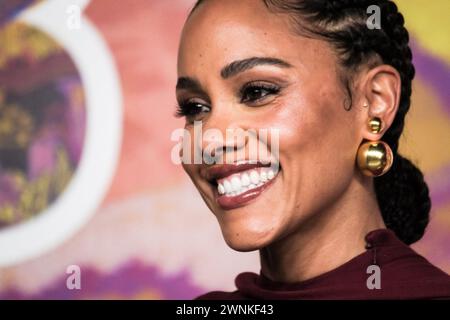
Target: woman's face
<point x="295" y="89"/>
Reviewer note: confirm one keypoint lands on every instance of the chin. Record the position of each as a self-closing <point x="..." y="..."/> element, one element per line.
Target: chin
<point x="244" y="245"/>
<point x="246" y="238"/>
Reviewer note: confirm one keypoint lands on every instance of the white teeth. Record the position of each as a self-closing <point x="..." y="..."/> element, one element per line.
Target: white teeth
<point x="236" y="183"/>
<point x="254" y="177"/>
<point x="227" y="186"/>
<point x="263" y="176"/>
<point x="246" y="181"/>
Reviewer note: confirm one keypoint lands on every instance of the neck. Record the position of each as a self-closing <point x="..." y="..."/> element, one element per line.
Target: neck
<point x="329" y="239"/>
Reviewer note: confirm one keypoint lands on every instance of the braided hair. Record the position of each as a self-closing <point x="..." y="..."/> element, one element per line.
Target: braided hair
<point x="402" y="193"/>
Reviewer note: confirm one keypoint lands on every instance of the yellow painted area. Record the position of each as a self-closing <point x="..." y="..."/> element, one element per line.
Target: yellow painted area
<point x="426" y="137"/>
<point x="20" y="38"/>
<point x="428" y="21"/>
<point x="36" y="195"/>
<point x="146" y="294"/>
<point x="441" y="216"/>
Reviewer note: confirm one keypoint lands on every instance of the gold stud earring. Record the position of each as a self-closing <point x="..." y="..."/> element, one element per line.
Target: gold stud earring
<point x="374" y="158"/>
<point x="375" y="125"/>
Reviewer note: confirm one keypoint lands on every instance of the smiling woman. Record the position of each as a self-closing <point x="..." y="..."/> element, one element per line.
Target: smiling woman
<point x="342" y="199"/>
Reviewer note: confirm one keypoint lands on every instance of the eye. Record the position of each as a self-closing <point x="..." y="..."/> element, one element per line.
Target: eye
<point x="191" y="110"/>
<point x="257" y="91"/>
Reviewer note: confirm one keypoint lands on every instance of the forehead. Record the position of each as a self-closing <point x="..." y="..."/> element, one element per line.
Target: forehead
<point x="219" y="32"/>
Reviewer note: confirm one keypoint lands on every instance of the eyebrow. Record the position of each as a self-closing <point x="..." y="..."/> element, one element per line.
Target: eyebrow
<point x="233" y="68"/>
<point x="187" y="83"/>
<point x="238" y="66"/>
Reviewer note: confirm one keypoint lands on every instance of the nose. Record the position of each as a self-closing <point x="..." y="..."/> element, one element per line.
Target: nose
<point x="223" y="140"/>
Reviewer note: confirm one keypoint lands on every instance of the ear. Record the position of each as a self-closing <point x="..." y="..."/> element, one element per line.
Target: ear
<point x="381" y="89"/>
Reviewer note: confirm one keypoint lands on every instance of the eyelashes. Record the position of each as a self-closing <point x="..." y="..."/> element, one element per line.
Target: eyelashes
<point x="190" y="109"/>
<point x="256" y="91"/>
<point x="253" y="94"/>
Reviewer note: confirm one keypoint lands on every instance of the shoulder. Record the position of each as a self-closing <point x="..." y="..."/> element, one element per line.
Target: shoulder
<point x="412" y="276"/>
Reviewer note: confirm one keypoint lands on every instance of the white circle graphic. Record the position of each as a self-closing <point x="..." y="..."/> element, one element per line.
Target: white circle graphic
<point x="102" y="141"/>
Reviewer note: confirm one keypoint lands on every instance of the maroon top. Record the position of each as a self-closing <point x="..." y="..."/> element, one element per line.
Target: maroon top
<point x="404" y="274"/>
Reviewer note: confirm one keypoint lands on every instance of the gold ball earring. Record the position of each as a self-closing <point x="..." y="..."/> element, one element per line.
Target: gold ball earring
<point x="374" y="158"/>
<point x="375" y="125"/>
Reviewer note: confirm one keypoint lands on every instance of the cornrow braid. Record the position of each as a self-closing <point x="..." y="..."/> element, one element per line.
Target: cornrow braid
<point x="402" y="193"/>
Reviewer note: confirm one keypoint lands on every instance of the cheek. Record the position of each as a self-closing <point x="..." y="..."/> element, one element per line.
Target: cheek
<point x="317" y="146"/>
<point x="318" y="125"/>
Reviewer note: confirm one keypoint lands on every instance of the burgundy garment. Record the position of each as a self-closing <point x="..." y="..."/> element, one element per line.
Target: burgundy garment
<point x="404" y="275"/>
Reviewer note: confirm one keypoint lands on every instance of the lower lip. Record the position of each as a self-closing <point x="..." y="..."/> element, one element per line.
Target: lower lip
<point x="228" y="203"/>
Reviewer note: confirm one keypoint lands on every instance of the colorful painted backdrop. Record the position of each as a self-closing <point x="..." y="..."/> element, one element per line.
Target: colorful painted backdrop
<point x="86" y="114"/>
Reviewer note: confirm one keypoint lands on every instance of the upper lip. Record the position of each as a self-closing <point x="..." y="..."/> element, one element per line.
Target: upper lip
<point x="219" y="171"/>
